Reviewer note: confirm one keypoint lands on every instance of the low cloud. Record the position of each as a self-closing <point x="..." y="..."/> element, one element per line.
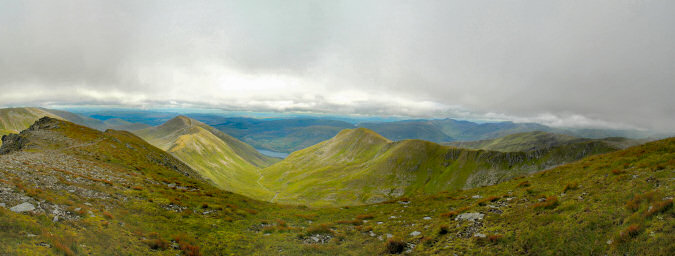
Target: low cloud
<point x="561" y="63"/>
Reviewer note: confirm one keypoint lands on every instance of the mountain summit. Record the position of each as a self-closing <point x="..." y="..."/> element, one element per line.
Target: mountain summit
<point x="359" y="166"/>
<point x="229" y="163"/>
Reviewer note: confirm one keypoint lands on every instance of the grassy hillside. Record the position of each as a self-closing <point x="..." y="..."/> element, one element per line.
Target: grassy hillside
<point x="14" y="120"/>
<point x="359" y="166"/>
<point x="227" y="162"/>
<point x="112" y="193"/>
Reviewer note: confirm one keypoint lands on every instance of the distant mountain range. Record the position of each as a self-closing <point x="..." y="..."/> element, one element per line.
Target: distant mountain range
<point x="538" y="140"/>
<point x="291" y="134"/>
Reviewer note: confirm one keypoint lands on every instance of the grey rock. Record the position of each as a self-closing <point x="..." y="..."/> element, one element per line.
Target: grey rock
<point x="479" y="235"/>
<point x="426" y="218"/>
<point x="415" y="233"/>
<point x="472" y="216"/>
<point x="24" y="207"/>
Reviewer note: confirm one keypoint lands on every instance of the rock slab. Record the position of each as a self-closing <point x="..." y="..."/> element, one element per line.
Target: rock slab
<point x="24" y="207"/>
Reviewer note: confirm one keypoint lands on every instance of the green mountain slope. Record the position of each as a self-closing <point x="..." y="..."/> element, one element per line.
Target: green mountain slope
<point x="14" y="120"/>
<point x="359" y="166"/>
<point x="229" y="163"/>
<point x="110" y="193"/>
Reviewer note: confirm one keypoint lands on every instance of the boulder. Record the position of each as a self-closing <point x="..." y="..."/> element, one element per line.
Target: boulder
<point x="472" y="216"/>
<point x="24" y="207"/>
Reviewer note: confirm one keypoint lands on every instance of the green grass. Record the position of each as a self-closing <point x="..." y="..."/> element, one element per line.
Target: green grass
<point x="229" y="163"/>
<point x="589" y="220"/>
<point x="359" y="166"/>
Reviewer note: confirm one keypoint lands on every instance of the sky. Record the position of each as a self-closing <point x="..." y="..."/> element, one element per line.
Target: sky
<point x="590" y="63"/>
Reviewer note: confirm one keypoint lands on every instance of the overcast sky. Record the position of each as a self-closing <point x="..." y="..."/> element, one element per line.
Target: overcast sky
<point x="563" y="63"/>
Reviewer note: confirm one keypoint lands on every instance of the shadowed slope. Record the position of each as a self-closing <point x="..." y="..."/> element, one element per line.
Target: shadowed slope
<point x="359" y="166"/>
<point x="229" y="163"/>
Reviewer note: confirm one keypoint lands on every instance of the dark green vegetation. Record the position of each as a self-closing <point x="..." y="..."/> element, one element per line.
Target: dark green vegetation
<point x="115" y="194"/>
<point x="358" y="166"/>
<point x="229" y="163"/>
<point x="537" y="141"/>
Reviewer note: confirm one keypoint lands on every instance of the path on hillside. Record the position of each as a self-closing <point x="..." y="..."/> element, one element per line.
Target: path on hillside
<point x="263" y="186"/>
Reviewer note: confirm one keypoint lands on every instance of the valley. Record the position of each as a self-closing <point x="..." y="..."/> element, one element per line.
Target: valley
<point x="133" y="197"/>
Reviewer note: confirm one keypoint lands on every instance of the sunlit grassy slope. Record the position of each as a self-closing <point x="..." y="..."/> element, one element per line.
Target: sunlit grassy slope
<point x="537" y="140"/>
<point x="231" y="164"/>
<point x="359" y="166"/>
<point x="134" y="199"/>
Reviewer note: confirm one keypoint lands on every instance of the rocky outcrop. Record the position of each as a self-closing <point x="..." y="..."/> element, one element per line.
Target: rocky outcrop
<point x="16" y="142"/>
<point x="44" y="123"/>
<point x="12" y="142"/>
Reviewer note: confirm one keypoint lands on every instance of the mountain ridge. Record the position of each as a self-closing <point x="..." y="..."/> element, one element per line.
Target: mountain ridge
<point x="358" y="166"/>
<point x="229" y="163"/>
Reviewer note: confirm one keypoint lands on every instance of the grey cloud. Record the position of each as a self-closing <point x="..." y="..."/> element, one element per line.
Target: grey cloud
<point x="566" y="63"/>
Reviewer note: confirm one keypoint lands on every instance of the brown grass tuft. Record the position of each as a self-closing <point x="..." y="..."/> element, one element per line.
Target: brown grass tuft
<point x="449" y="214"/>
<point x="618" y="172"/>
<point x="634" y="204"/>
<point x="523" y="184"/>
<point x="494" y="238"/>
<point x="157" y="244"/>
<point x="108" y="215"/>
<point x="570" y="186"/>
<point x="659" y="207"/>
<point x="630" y="232"/>
<point x="319" y="229"/>
<point x="550" y="203"/>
